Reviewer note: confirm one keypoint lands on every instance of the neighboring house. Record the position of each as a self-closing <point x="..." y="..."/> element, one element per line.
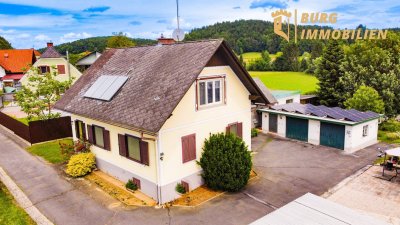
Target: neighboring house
<point x="285" y="97"/>
<point x="349" y="130"/>
<point x="13" y="64"/>
<point x="85" y="62"/>
<point x="147" y="110"/>
<point x="52" y="61"/>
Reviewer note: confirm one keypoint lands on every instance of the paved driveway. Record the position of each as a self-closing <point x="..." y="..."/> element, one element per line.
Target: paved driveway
<point x="286" y="170"/>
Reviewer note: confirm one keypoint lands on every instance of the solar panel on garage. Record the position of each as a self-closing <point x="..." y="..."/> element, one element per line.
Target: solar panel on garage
<point x="105" y="87"/>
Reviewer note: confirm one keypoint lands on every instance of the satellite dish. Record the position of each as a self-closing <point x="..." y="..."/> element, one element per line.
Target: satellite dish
<point x="178" y="35"/>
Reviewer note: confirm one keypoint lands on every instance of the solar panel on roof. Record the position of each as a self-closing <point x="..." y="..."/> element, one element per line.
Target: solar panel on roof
<point x="105" y="87"/>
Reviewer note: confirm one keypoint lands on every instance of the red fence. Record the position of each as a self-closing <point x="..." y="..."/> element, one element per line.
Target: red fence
<point x="39" y="131"/>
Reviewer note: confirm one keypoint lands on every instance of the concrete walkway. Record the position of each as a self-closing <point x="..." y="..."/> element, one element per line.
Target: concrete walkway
<point x="286" y="170"/>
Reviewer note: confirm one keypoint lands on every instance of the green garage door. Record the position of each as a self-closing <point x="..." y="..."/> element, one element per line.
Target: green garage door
<point x="332" y="135"/>
<point x="297" y="128"/>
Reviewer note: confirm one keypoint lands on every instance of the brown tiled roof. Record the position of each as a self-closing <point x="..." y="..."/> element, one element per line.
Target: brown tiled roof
<point x="51" y="52"/>
<point x="159" y="76"/>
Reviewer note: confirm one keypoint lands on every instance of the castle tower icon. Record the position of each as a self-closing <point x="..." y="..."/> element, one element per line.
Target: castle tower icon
<point x="279" y="17"/>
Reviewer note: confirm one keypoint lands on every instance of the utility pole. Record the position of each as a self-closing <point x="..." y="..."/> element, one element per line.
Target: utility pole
<point x="68" y="67"/>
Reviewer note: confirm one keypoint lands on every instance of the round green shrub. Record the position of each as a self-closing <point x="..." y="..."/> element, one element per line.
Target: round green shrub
<point x="81" y="164"/>
<point x="226" y="162"/>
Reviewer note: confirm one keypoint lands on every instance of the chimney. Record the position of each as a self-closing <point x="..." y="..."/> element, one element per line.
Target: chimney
<point x="165" y="41"/>
<point x="6" y="55"/>
<point x="49" y="44"/>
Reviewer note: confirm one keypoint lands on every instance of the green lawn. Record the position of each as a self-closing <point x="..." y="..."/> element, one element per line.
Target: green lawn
<point x="10" y="212"/>
<point x="389" y="132"/>
<point x="50" y="151"/>
<point x="25" y="120"/>
<point x="287" y="81"/>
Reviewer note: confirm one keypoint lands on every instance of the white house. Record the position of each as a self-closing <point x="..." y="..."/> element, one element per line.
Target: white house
<point x="147" y="110"/>
<point x="349" y="130"/>
<point x="52" y="61"/>
<point x="285" y="97"/>
<point x="85" y="62"/>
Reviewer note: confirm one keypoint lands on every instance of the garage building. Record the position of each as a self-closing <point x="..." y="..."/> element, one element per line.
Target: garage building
<point x="349" y="130"/>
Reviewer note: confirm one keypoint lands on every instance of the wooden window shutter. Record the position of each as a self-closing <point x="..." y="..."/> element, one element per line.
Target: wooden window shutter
<point x="90" y="134"/>
<point x="240" y="130"/>
<point x="144" y="152"/>
<point x="77" y="129"/>
<point x="106" y="136"/>
<point x="188" y="148"/>
<point x="122" y="145"/>
<point x="185" y="149"/>
<point x="84" y="131"/>
<point x="192" y="147"/>
<point x="61" y="69"/>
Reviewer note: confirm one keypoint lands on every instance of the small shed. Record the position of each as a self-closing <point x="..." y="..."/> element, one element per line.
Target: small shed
<point x="310" y="209"/>
<point x="349" y="130"/>
<point x="285" y="97"/>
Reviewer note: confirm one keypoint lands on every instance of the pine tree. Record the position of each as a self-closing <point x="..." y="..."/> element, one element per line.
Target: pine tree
<point x="329" y="73"/>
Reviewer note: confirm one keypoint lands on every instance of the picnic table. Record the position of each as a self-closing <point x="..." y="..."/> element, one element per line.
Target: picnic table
<point x="392" y="164"/>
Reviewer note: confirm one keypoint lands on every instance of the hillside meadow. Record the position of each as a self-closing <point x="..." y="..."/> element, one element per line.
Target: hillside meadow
<point x="287" y="80"/>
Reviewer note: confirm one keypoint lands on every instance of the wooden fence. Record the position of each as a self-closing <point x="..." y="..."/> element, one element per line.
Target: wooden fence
<point x="39" y="131"/>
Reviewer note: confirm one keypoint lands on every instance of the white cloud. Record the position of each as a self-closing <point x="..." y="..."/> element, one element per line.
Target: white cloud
<point x="42" y="37"/>
<point x="38" y="21"/>
<point x="73" y="37"/>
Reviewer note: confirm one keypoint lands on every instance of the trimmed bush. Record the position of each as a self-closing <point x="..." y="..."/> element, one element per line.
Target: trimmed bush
<point x="226" y="162"/>
<point x="81" y="164"/>
<point x="131" y="186"/>
<point x="180" y="188"/>
<point x="254" y="132"/>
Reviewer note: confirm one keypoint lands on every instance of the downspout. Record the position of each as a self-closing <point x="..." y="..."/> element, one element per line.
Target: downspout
<point x="158" y="164"/>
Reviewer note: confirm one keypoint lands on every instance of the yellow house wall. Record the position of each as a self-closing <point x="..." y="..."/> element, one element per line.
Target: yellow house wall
<point x="113" y="157"/>
<point x="51" y="62"/>
<point x="186" y="120"/>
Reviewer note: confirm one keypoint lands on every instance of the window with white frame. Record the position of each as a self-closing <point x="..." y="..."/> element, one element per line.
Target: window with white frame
<point x="210" y="92"/>
<point x="365" y="130"/>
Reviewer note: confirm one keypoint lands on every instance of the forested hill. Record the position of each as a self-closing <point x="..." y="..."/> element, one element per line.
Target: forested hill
<point x="247" y="35"/>
<point x="4" y="44"/>
<point x="92" y="44"/>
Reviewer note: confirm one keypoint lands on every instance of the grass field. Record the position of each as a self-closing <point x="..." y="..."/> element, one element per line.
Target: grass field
<point x="287" y="81"/>
<point x="50" y="151"/>
<point x="10" y="213"/>
<point x="252" y="56"/>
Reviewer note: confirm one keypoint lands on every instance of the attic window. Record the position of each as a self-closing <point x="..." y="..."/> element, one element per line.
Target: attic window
<point x="210" y="92"/>
<point x="105" y="87"/>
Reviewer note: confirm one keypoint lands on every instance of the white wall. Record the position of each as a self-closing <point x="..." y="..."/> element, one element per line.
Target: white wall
<point x="185" y="120"/>
<point x="354" y="139"/>
<point x="296" y="99"/>
<point x="2" y="72"/>
<point x="314" y="128"/>
<point x="354" y="136"/>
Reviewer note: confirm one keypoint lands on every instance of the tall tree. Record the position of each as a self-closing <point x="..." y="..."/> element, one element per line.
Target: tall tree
<point x="375" y="64"/>
<point x="329" y="74"/>
<point x="38" y="98"/>
<point x="291" y="54"/>
<point x="366" y="99"/>
<point x="120" y="40"/>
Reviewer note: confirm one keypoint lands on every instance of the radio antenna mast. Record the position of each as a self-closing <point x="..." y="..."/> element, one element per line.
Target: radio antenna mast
<point x="178" y="34"/>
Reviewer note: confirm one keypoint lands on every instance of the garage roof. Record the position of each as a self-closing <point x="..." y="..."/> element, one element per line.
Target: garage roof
<point x="322" y="111"/>
<point x="311" y="209"/>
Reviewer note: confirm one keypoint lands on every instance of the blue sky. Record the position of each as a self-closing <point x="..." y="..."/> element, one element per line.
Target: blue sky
<point x="31" y="23"/>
